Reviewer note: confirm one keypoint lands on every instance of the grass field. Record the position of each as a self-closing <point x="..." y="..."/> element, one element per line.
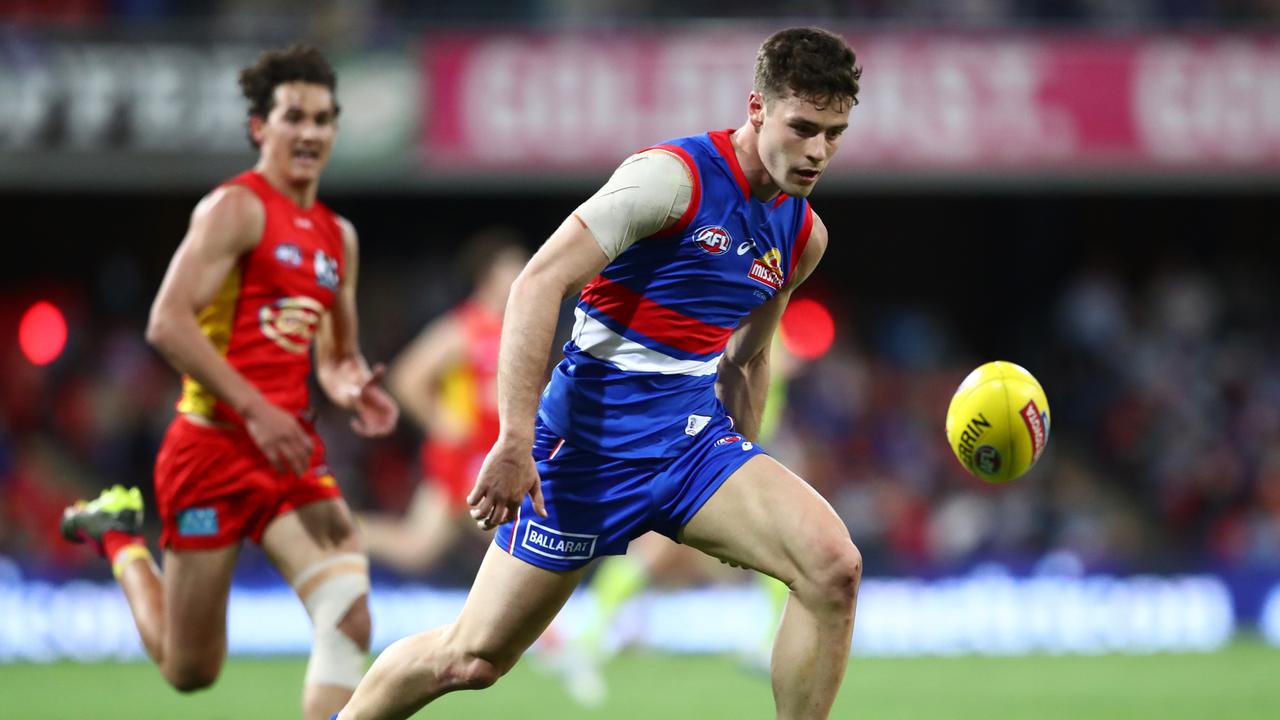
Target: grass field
<point x="1240" y="682"/>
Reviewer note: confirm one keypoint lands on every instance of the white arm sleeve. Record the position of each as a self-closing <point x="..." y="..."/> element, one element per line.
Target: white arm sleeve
<point x="648" y="191"/>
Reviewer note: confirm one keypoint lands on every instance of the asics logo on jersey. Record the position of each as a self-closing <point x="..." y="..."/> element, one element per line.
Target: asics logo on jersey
<point x="291" y="322"/>
<point x="744" y="247"/>
<point x="712" y="239"/>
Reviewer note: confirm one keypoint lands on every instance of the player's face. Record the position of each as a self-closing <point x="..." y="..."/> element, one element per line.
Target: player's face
<point x="297" y="135"/>
<point x="798" y="138"/>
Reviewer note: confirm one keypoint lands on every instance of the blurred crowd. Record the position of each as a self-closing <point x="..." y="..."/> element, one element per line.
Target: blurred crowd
<point x="360" y="15"/>
<point x="1164" y="453"/>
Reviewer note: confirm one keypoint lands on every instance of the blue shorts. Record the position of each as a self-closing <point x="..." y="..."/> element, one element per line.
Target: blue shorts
<point x="596" y="504"/>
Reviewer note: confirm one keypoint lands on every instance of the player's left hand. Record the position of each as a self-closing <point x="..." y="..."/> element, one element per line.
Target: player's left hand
<point x="376" y="412"/>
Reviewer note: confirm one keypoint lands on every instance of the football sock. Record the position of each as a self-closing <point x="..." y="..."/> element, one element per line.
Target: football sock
<point x="122" y="548"/>
<point x="619" y="579"/>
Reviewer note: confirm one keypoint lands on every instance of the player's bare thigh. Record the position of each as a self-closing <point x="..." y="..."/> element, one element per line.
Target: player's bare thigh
<point x="300" y="538"/>
<point x="666" y="561"/>
<point x="511" y="602"/>
<point x="197" y="585"/>
<point x="767" y="518"/>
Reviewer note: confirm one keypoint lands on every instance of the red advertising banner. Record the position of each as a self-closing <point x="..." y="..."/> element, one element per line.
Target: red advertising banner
<point x="929" y="102"/>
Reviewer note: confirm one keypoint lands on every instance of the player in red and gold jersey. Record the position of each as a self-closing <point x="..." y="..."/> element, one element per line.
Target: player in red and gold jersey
<point x="265" y="274"/>
<point x="446" y="380"/>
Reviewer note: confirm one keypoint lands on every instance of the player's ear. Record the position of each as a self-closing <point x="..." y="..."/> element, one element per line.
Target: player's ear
<point x="257" y="129"/>
<point x="755" y="109"/>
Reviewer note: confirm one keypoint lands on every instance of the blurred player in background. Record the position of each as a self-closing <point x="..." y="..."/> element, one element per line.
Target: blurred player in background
<point x="263" y="271"/>
<point x="446" y="380"/>
<point x="688" y="256"/>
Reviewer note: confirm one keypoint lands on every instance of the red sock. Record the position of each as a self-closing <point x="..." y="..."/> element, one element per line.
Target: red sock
<point x="113" y="540"/>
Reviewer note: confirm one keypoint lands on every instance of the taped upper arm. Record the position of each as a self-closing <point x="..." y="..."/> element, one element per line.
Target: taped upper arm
<point x="649" y="192"/>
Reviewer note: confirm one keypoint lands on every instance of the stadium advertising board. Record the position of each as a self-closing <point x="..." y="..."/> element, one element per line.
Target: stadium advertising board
<point x="522" y="108"/>
<point x="929" y="102"/>
<point x="128" y="114"/>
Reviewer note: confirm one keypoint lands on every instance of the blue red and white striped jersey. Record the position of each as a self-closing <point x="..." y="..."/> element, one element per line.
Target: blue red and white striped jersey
<point x="638" y="378"/>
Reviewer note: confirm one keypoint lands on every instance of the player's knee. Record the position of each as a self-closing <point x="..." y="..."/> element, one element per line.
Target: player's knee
<point x="835" y="572"/>
<point x="357" y="623"/>
<point x="194" y="675"/>
<point x="479" y="673"/>
<point x="339" y="608"/>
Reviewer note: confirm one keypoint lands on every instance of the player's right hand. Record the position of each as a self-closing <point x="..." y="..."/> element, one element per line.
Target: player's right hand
<point x="507" y="475"/>
<point x="279" y="436"/>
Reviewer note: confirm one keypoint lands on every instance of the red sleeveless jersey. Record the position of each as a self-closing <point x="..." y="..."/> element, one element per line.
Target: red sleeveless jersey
<point x="469" y="390"/>
<point x="267" y="312"/>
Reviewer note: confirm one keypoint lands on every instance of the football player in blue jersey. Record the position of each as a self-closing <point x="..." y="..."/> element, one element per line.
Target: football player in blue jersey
<point x="685" y="260"/>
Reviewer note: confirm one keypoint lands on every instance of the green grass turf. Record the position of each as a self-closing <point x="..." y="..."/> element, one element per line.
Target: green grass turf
<point x="1240" y="682"/>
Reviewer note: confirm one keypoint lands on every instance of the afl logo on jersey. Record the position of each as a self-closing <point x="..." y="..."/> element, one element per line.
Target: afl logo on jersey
<point x="712" y="239"/>
<point x="289" y="254"/>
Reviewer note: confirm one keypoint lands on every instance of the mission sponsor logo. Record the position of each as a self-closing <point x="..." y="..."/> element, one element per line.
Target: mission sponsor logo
<point x="547" y="542"/>
<point x="712" y="239"/>
<point x="767" y="270"/>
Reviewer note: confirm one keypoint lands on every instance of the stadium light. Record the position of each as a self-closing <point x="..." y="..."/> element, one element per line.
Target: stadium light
<point x="807" y="329"/>
<point x="42" y="333"/>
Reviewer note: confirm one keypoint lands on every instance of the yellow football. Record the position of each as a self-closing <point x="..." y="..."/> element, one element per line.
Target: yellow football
<point x="998" y="421"/>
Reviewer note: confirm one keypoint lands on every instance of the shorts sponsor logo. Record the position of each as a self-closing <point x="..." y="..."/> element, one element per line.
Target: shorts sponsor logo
<point x="712" y="239"/>
<point x="1037" y="426"/>
<point x="544" y="541"/>
<point x="696" y="424"/>
<point x="198" y="522"/>
<point x="289" y="254"/>
<point x="727" y="439"/>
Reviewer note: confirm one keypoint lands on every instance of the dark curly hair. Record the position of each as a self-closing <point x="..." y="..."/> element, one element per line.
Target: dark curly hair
<point x="817" y="65"/>
<point x="296" y="63"/>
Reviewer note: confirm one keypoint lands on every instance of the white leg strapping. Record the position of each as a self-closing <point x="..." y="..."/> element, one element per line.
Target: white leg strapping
<point x="336" y="659"/>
